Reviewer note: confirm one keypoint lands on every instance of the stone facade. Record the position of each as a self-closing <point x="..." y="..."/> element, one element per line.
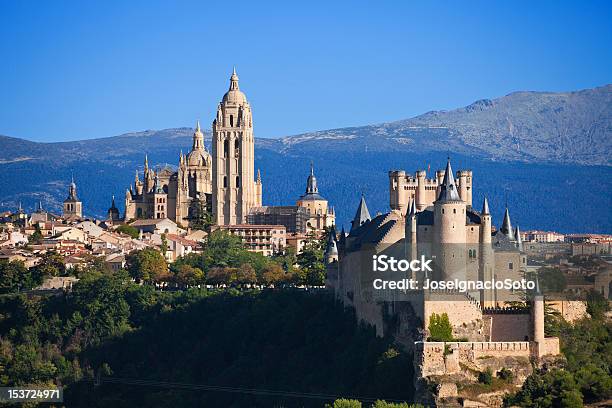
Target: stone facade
<point x="235" y="189"/>
<point x="223" y="183"/>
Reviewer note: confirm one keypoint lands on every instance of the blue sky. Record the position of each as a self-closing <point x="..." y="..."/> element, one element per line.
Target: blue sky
<point x="77" y="70"/>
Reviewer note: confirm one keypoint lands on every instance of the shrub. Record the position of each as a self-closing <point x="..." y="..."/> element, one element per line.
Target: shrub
<point x="485" y="377"/>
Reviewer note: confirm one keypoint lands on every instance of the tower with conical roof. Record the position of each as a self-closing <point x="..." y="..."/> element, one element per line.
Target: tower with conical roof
<point x="361" y="216"/>
<point x="449" y="211"/>
<point x="73" y="207"/>
<point x="506" y="227"/>
<point x="233" y="182"/>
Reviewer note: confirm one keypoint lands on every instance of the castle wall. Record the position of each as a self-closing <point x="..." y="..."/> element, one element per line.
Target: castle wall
<point x="509" y="327"/>
<point x="430" y="358"/>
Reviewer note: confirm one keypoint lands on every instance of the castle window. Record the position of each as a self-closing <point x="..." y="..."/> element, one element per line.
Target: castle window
<point x="454" y="211"/>
<point x="224" y="181"/>
<point x="237" y="181"/>
<point x="443" y="211"/>
<point x="231" y="120"/>
<point x="236" y="148"/>
<point x="226" y="148"/>
<point x="510" y="265"/>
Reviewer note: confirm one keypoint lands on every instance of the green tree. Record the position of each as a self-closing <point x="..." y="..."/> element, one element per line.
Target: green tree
<point x="188" y="275"/>
<point x="597" y="304"/>
<point x="547" y="389"/>
<point x="245" y="275"/>
<point x="199" y="217"/>
<point x="273" y="274"/>
<point x="440" y="328"/>
<point x="552" y="279"/>
<point x="51" y="264"/>
<point x="37" y="236"/>
<point x="147" y="265"/>
<point x="128" y="230"/>
<point x="344" y="403"/>
<point x="14" y="276"/>
<point x="310" y="261"/>
<point x="485" y="377"/>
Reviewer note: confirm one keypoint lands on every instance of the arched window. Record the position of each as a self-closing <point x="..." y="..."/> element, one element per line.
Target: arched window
<point x="236" y="148"/>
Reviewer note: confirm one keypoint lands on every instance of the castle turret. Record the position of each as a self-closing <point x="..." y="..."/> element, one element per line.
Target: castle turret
<point x="449" y="211"/>
<point x="519" y="240"/>
<point x="361" y="216"/>
<point x="331" y="250"/>
<point x="537" y="318"/>
<point x="506" y="227"/>
<point x="421" y="201"/>
<point x="485" y="223"/>
<point x="465" y="185"/>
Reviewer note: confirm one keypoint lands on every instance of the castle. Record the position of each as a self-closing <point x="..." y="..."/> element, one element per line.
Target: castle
<point x="434" y="218"/>
<point x="224" y="182"/>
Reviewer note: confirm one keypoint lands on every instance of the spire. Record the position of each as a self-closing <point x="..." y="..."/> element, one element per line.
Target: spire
<point x="258" y="177"/>
<point x="113" y="202"/>
<point x="342" y="239"/>
<point x="311" y="183"/>
<point x="519" y="241"/>
<point x="485" y="207"/>
<point x="362" y="215"/>
<point x="234" y="81"/>
<point x="506" y="227"/>
<point x="198" y="138"/>
<point x="72" y="193"/>
<point x="40" y="207"/>
<point x="412" y="210"/>
<point x="146" y="163"/>
<point x="332" y="247"/>
<point x="448" y="189"/>
<point x="136" y="179"/>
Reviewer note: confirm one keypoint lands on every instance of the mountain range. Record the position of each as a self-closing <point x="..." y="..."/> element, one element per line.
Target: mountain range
<point x="546" y="155"/>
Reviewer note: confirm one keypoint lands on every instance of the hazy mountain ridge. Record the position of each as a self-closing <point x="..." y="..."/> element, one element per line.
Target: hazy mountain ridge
<point x="571" y="127"/>
<point x="547" y="154"/>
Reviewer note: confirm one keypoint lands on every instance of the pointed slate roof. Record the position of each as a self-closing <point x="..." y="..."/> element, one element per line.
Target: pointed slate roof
<point x="448" y="189"/>
<point x="519" y="241"/>
<point x="362" y="215"/>
<point x="506" y="227"/>
<point x="485" y="207"/>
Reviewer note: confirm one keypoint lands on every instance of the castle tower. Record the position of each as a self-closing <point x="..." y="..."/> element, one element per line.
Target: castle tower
<point x="485" y="223"/>
<point x="73" y="207"/>
<point x="361" y="216"/>
<point x="233" y="181"/>
<point x="465" y="185"/>
<point x="506" y="227"/>
<point x="486" y="259"/>
<point x="331" y="250"/>
<point x="449" y="230"/>
<point x="537" y="319"/>
<point x="449" y="211"/>
<point x="421" y="202"/>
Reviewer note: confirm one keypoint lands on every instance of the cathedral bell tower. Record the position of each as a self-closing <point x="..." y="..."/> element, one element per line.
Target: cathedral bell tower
<point x="235" y="190"/>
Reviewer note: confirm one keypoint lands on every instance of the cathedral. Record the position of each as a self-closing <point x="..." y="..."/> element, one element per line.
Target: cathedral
<point x="224" y="183"/>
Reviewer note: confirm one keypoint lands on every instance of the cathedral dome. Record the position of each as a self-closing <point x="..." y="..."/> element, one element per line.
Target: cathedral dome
<point x="198" y="158"/>
<point x="234" y="95"/>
